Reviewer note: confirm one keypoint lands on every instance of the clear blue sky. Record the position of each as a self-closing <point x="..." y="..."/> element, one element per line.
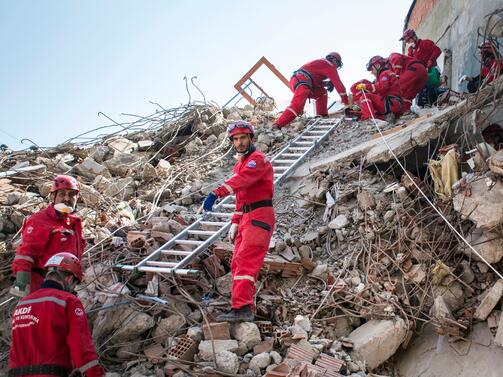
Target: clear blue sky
<point x="63" y="61"/>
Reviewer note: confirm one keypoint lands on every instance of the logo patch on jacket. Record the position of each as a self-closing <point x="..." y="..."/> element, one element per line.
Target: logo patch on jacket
<point x="251" y="164"/>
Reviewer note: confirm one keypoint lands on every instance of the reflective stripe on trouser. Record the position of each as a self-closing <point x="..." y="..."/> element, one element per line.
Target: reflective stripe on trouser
<point x="250" y="248"/>
<point x="376" y="104"/>
<point x="300" y="96"/>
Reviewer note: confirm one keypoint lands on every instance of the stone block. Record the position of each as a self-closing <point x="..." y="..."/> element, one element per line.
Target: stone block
<point x="489" y="301"/>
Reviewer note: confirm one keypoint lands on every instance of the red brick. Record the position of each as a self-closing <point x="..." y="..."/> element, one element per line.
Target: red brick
<point x="219" y="331"/>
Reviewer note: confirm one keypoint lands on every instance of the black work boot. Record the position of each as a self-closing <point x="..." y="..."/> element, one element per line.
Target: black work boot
<point x="244" y="314"/>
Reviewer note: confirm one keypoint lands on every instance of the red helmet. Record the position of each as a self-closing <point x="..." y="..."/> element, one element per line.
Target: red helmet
<point x="408" y="33"/>
<point x="65" y="262"/>
<point x="240" y="127"/>
<point x="375" y="60"/>
<point x="488" y="46"/>
<point x="335" y="57"/>
<point x="62" y="182"/>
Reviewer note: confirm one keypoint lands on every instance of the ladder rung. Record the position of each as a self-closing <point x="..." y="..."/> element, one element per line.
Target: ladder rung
<point x="281" y="167"/>
<point x="176" y="252"/>
<point x="213" y="223"/>
<point x="299" y="148"/>
<point x="161" y="264"/>
<point x="278" y="175"/>
<point x="188" y="242"/>
<point x="291" y="154"/>
<point x="304" y="142"/>
<point x="202" y="232"/>
<point x="309" y="137"/>
<point x="283" y="161"/>
<point x="220" y="214"/>
<point x="231" y="206"/>
<point x="317" y="132"/>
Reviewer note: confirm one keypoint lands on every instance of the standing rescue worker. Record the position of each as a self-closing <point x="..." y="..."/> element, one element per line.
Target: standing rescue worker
<point x="412" y="76"/>
<point x="50" y="332"/>
<point x="424" y="50"/>
<point x="308" y="82"/>
<point x="383" y="97"/>
<point x="253" y="221"/>
<point x="492" y="66"/>
<point x="47" y="232"/>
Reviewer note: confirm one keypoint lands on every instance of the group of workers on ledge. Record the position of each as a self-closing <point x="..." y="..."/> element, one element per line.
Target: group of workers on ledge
<point x="398" y="80"/>
<point x="50" y="332"/>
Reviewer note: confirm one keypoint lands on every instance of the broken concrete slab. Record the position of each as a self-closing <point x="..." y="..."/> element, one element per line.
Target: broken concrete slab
<point x="206" y="348"/>
<point x="485" y="204"/>
<point x="377" y="340"/>
<point x="496" y="163"/>
<point x="247" y="333"/>
<point x="489" y="244"/>
<point x="491" y="298"/>
<point x="90" y="169"/>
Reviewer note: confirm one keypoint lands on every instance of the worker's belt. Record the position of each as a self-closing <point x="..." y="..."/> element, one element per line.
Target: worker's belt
<point x="252" y="206"/>
<point x="410" y="66"/>
<point x="307" y="75"/>
<point x="28" y="370"/>
<point x="39" y="271"/>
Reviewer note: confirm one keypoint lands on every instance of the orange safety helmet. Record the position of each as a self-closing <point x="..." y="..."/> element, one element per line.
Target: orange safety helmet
<point x="66" y="262"/>
<point x="240" y="127"/>
<point x="336" y="57"/>
<point x="408" y="33"/>
<point x="65" y="182"/>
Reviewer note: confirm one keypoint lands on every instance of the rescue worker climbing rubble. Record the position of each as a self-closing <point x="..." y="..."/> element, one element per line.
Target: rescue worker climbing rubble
<point x="382" y="97"/>
<point x="50" y="332"/>
<point x="491" y="66"/>
<point x="45" y="233"/>
<point x="253" y="219"/>
<point x="308" y="82"/>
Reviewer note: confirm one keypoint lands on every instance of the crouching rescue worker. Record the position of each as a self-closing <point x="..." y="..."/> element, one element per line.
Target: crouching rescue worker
<point x="252" y="223"/>
<point x="50" y="332"/>
<point x="308" y="82"/>
<point x="412" y="76"/>
<point x="491" y="68"/>
<point x="45" y="233"/>
<point x="382" y="97"/>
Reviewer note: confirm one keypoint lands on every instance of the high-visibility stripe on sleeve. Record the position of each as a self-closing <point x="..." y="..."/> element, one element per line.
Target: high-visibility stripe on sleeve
<point x="88" y="365"/>
<point x="24" y="257"/>
<point x="244" y="277"/>
<point x="229" y="188"/>
<point x="239" y="213"/>
<point x="292" y="111"/>
<point x="44" y="299"/>
<point x="373" y="88"/>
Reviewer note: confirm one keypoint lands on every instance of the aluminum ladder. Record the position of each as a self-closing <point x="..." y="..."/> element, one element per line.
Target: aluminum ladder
<point x="176" y="254"/>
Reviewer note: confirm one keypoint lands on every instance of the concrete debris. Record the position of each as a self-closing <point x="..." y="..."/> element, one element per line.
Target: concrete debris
<point x="206" y="348"/>
<point x="491" y="298"/>
<point x="227" y="362"/>
<point x="247" y="333"/>
<point x="376" y="341"/>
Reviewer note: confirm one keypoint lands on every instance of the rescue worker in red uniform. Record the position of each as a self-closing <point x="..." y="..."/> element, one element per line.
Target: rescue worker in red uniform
<point x="50" y="332"/>
<point x="492" y="66"/>
<point x="45" y="233"/>
<point x="412" y="76"/>
<point x="252" y="223"/>
<point x="308" y="82"/>
<point x="424" y="50"/>
<point x="383" y="96"/>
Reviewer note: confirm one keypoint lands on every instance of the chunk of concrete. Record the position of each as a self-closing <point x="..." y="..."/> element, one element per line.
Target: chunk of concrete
<point x="366" y="200"/>
<point x="485" y="205"/>
<point x="121" y="163"/>
<point x="488" y="244"/>
<point x="90" y="169"/>
<point x="169" y="326"/>
<point x="224" y="285"/>
<point x="339" y="222"/>
<point x="227" y="362"/>
<point x="377" y="340"/>
<point x="490" y="300"/>
<point x="260" y="361"/>
<point x="206" y="349"/>
<point x="247" y="333"/>
<point x="496" y="163"/>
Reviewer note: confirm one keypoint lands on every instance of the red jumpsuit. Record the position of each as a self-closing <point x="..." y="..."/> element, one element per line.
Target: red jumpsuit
<point x="412" y="75"/>
<point x="49" y="328"/>
<point x="425" y="51"/>
<point x="307" y="83"/>
<point x="252" y="182"/>
<point x="384" y="96"/>
<point x="44" y="234"/>
<point x="492" y="69"/>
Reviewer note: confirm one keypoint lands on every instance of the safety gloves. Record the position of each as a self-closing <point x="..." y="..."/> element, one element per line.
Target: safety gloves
<point x="21" y="286"/>
<point x="361" y="86"/>
<point x="233" y="231"/>
<point x="209" y="202"/>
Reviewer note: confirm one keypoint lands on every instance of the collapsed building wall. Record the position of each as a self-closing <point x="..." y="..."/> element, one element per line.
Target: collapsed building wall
<point x="453" y="25"/>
